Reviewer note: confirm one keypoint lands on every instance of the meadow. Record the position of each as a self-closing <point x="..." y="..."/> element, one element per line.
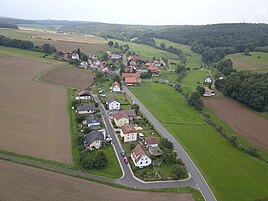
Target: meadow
<point x="258" y="61"/>
<point x="231" y="174"/>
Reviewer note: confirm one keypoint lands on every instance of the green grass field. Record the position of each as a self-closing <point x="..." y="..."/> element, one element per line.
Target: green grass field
<point x="194" y="78"/>
<point x="231" y="174"/>
<point x="243" y="62"/>
<point x="193" y="59"/>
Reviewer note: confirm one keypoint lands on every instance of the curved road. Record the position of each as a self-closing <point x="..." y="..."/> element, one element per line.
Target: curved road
<point x="198" y="178"/>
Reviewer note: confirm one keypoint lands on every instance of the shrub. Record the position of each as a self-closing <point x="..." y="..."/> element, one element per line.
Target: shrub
<point x="178" y="171"/>
<point x="100" y="159"/>
<point x="87" y="162"/>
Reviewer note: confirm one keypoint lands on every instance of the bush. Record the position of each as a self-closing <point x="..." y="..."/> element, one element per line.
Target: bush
<point x="100" y="159"/>
<point x="165" y="144"/>
<point x="178" y="171"/>
<point x="87" y="162"/>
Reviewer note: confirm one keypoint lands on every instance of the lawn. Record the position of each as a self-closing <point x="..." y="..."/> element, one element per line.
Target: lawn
<point x="243" y="62"/>
<point x="112" y="169"/>
<point x="194" y="78"/>
<point x="231" y="174"/>
<point x="167" y="75"/>
<point x="193" y="59"/>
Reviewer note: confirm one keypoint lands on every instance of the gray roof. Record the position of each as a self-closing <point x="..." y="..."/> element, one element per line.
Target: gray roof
<point x="93" y="136"/>
<point x="84" y="93"/>
<point x="92" y="119"/>
<point x="89" y="106"/>
<point x="130" y="113"/>
<point x="110" y="100"/>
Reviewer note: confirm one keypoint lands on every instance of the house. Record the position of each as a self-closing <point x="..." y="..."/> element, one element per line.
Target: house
<point x="121" y="118"/>
<point x="139" y="157"/>
<point x="142" y="69"/>
<point x="65" y="55"/>
<point x="151" y="141"/>
<point x="116" y="87"/>
<point x="137" y="58"/>
<point x="86" y="109"/>
<point x="130" y="113"/>
<point x="209" y="92"/>
<point x="128" y="133"/>
<point x="83" y="95"/>
<point x="93" y="140"/>
<point x="133" y="63"/>
<point x="92" y="121"/>
<point x="208" y="80"/>
<point x="128" y="69"/>
<point x="156" y="63"/>
<point x="113" y="104"/>
<point x="75" y="56"/>
<point x="129" y="58"/>
<point x="130" y="81"/>
<point x="83" y="64"/>
<point x="153" y="69"/>
<point x="116" y="57"/>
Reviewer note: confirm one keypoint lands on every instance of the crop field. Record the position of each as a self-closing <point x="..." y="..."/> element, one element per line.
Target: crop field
<point x="68" y="76"/>
<point x="33" y="119"/>
<point x="63" y="42"/>
<point x="193" y="59"/>
<point x="243" y="62"/>
<point x="226" y="169"/>
<point x="21" y="183"/>
<point x="243" y="121"/>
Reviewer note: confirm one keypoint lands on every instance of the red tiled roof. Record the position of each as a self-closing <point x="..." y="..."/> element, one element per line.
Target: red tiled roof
<point x="138" y="153"/>
<point x="151" y="140"/>
<point x="120" y="115"/>
<point x="131" y="80"/>
<point x="128" y="128"/>
<point x="115" y="84"/>
<point x="133" y="63"/>
<point x="130" y="58"/>
<point x="153" y="69"/>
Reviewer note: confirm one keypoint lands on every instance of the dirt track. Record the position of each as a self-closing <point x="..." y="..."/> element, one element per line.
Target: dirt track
<point x="33" y="118"/>
<point x="69" y="76"/>
<point x="23" y="183"/>
<point x="242" y="120"/>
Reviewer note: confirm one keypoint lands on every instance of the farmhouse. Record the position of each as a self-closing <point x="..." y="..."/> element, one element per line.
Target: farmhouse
<point x="116" y="87"/>
<point x="209" y="92"/>
<point x="113" y="104"/>
<point x="86" y="109"/>
<point x="75" y="56"/>
<point x="128" y="133"/>
<point x="83" y="95"/>
<point x="92" y="121"/>
<point x="139" y="157"/>
<point x="93" y="140"/>
<point x="120" y="119"/>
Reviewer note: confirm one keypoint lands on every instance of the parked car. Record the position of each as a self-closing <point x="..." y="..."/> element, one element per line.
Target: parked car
<point x="126" y="161"/>
<point x="123" y="154"/>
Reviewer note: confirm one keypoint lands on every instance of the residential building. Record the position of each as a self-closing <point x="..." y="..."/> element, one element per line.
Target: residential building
<point x="130" y="113"/>
<point x="92" y="121"/>
<point x="83" y="64"/>
<point x="128" y="133"/>
<point x="116" y="87"/>
<point x="151" y="141"/>
<point x="140" y="157"/>
<point x="120" y="119"/>
<point x="75" y="56"/>
<point x="93" y="140"/>
<point x="113" y="104"/>
<point x="209" y="92"/>
<point x="83" y="95"/>
<point x="88" y="108"/>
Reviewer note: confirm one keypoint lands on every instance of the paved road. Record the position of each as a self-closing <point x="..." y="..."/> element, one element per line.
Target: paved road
<point x="199" y="180"/>
<point x="128" y="178"/>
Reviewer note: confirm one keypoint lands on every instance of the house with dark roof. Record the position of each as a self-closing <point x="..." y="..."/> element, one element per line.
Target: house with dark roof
<point x="151" y="141"/>
<point x="130" y="113"/>
<point x="93" y="140"/>
<point x="128" y="133"/>
<point x="88" y="108"/>
<point x="92" y="121"/>
<point x="83" y="95"/>
<point x="140" y="157"/>
<point x="113" y="104"/>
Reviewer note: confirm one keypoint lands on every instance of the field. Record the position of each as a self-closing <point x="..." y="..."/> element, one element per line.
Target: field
<point x="226" y="169"/>
<point x="243" y="62"/>
<point x="33" y="119"/>
<point x="243" y="121"/>
<point x="69" y="77"/>
<point x="194" y="78"/>
<point x="21" y="183"/>
<point x="63" y="42"/>
<point x="193" y="59"/>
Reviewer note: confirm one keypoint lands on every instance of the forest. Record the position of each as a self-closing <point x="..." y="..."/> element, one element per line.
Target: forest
<point x="8" y="25"/>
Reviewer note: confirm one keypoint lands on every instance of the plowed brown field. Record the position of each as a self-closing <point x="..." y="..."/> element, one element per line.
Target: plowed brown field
<point x="69" y="77"/>
<point x="22" y="183"/>
<point x="242" y="120"/>
<point x="33" y="119"/>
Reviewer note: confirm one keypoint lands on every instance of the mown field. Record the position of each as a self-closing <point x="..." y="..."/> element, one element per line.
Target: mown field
<point x="193" y="59"/>
<point x="231" y="174"/>
<point x="21" y="183"/>
<point x="33" y="119"/>
<point x="194" y="78"/>
<point x="243" y="62"/>
<point x="63" y="42"/>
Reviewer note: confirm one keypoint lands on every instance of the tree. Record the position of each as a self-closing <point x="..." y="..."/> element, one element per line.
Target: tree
<point x="233" y="141"/>
<point x="78" y="51"/>
<point x="165" y="144"/>
<point x="48" y="49"/>
<point x="132" y="146"/>
<point x="79" y="118"/>
<point x="201" y="90"/>
<point x="178" y="171"/>
<point x="169" y="156"/>
<point x="110" y="43"/>
<point x="136" y="107"/>
<point x="247" y="52"/>
<point x="88" y="162"/>
<point x="163" y="46"/>
<point x="116" y="45"/>
<point x="116" y="78"/>
<point x="195" y="100"/>
<point x="100" y="159"/>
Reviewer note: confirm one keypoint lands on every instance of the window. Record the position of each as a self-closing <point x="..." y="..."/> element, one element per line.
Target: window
<point x="146" y="162"/>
